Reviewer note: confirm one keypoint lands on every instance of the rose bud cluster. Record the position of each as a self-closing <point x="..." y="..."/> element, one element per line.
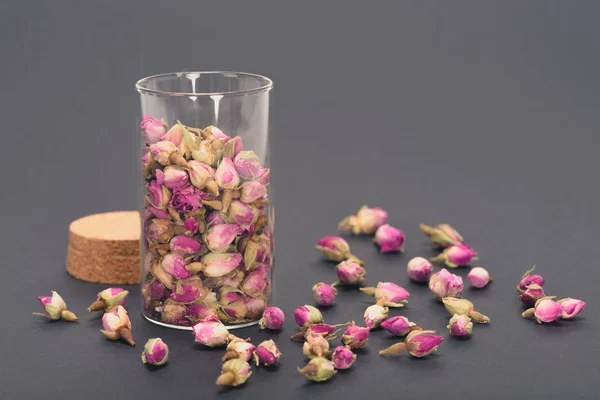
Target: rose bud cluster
<point x="456" y="255"/>
<point x="391" y="294"/>
<point x="464" y="307"/>
<point x="479" y="277"/>
<point x="55" y="308"/>
<point x="207" y="233"/>
<point x="109" y="299"/>
<point x="389" y="239"/>
<point x="445" y="284"/>
<point x="156" y="352"/>
<point x="324" y="294"/>
<point x="366" y="221"/>
<point x="419" y="269"/>
<point x="336" y="249"/>
<point x="442" y="235"/>
<point x="117" y="325"/>
<point x="418" y="343"/>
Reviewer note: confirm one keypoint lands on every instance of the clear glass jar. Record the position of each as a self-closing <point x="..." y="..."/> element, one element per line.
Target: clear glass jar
<point x="207" y="204"/>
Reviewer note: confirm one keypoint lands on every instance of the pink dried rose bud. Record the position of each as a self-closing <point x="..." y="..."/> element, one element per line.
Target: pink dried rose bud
<point x="174" y="135"/>
<point x="153" y="129"/>
<point x="375" y="315"/>
<point x="226" y="175"/>
<point x="532" y="294"/>
<point x="442" y="235"/>
<point x="174" y="313"/>
<point x="154" y="289"/>
<point x="328" y="331"/>
<point x="318" y="369"/>
<point x="233" y="147"/>
<point x="247" y="164"/>
<point x="445" y="284"/>
<point x="55" y="308"/>
<point x="198" y="311"/>
<point x="528" y="278"/>
<point x="307" y="315"/>
<point x="240" y="349"/>
<point x="273" y="318"/>
<point x="156" y="352"/>
<point x="189" y="290"/>
<point x="175" y="177"/>
<point x="191" y="225"/>
<point x="158" y="195"/>
<point x="182" y="244"/>
<point x="464" y="307"/>
<point x="201" y="176"/>
<point x="117" y="326"/>
<point x="336" y="249"/>
<point x="216" y="132"/>
<point x="571" y="307"/>
<point x="255" y="306"/>
<point x="161" y="151"/>
<point x="315" y="345"/>
<point x="479" y="277"/>
<point x="109" y="299"/>
<point x="460" y="325"/>
<point x="366" y="221"/>
<point x="252" y="191"/>
<point x="263" y="176"/>
<point x="389" y="239"/>
<point x="242" y="214"/>
<point x="215" y="265"/>
<point x="418" y="344"/>
<point x="355" y="336"/>
<point x="174" y="265"/>
<point x="266" y="353"/>
<point x="211" y="332"/>
<point x="324" y="294"/>
<point x="187" y="199"/>
<point x="399" y="326"/>
<point x="219" y="237"/>
<point x="350" y="273"/>
<point x="159" y="230"/>
<point x="545" y="310"/>
<point x="152" y="211"/>
<point x="256" y="282"/>
<point x="234" y="373"/>
<point x="458" y="254"/>
<point x="419" y="269"/>
<point x="343" y="357"/>
<point x="391" y="294"/>
<point x="214" y="218"/>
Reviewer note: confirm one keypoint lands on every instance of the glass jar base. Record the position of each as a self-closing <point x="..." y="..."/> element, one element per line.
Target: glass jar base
<point x="189" y="328"/>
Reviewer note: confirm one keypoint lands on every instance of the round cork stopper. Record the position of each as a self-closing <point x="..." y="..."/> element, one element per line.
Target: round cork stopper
<point x="105" y="248"/>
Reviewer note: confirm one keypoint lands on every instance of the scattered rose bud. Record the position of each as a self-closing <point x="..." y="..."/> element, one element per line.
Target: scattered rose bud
<point x="55" y="308"/>
<point x="343" y="357"/>
<point x="350" y="273"/>
<point x="109" y="299"/>
<point x="174" y="265"/>
<point x="273" y="318"/>
<point x="418" y="343"/>
<point x="234" y="373"/>
<point x="391" y="294"/>
<point x="191" y="225"/>
<point x="399" y="326"/>
<point x="355" y="336"/>
<point x="336" y="249"/>
<point x="545" y="310"/>
<point x="153" y="129"/>
<point x="324" y="294"/>
<point x="211" y="332"/>
<point x="156" y="352"/>
<point x="464" y="307"/>
<point x="307" y="315"/>
<point x="460" y="325"/>
<point x="571" y="307"/>
<point x="532" y="294"/>
<point x="419" y="269"/>
<point x="239" y="348"/>
<point x="479" y="277"/>
<point x="528" y="278"/>
<point x="442" y="235"/>
<point x="182" y="244"/>
<point x="318" y="369"/>
<point x="219" y="264"/>
<point x="117" y="326"/>
<point x="266" y="353"/>
<point x="458" y="254"/>
<point x="219" y="237"/>
<point x="445" y="284"/>
<point x="247" y="164"/>
<point x="389" y="239"/>
<point x="252" y="191"/>
<point x="366" y="221"/>
<point x="175" y="177"/>
<point x="375" y="315"/>
<point x="315" y="346"/>
<point x="161" y="151"/>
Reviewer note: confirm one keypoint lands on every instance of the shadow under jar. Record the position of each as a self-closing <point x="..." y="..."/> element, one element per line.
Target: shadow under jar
<point x="207" y="203"/>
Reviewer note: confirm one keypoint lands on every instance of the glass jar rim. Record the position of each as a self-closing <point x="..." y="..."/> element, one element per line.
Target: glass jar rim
<point x="265" y="85"/>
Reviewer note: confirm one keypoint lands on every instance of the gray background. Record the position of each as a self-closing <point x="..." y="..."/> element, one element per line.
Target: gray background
<point x="477" y="113"/>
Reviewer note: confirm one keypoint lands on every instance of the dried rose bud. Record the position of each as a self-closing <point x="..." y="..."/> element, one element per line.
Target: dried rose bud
<point x="161" y="151"/>
<point x="533" y="293"/>
<point x="458" y="254"/>
<point x="198" y="311"/>
<point x="336" y="249"/>
<point x="174" y="265"/>
<point x="255" y="282"/>
<point x="233" y="311"/>
<point x="187" y="199"/>
<point x="239" y="348"/>
<point x="252" y="191"/>
<point x="156" y="352"/>
<point x="328" y="331"/>
<point x="153" y="129"/>
<point x="216" y="132"/>
<point x="234" y="373"/>
<point x="419" y="269"/>
<point x="273" y="318"/>
<point x="174" y="135"/>
<point x="399" y="326"/>
<point x="460" y="325"/>
<point x="154" y="289"/>
<point x="391" y="294"/>
<point x="219" y="237"/>
<point x="350" y="273"/>
<point x="159" y="230"/>
<point x="442" y="235"/>
<point x="571" y="307"/>
<point x="324" y="294"/>
<point x="55" y="308"/>
<point x="226" y="175"/>
<point x="175" y="177"/>
<point x="117" y="326"/>
<point x="479" y="277"/>
<point x="233" y="147"/>
<point x="266" y="353"/>
<point x="242" y="214"/>
<point x="355" y="336"/>
<point x="201" y="176"/>
<point x="191" y="225"/>
<point x="366" y="221"/>
<point x="214" y="218"/>
<point x="247" y="164"/>
<point x="158" y="195"/>
<point x="318" y="369"/>
<point x="389" y="239"/>
<point x="263" y="176"/>
<point x="211" y="332"/>
<point x="445" y="284"/>
<point x="307" y="315"/>
<point x="109" y="299"/>
<point x="219" y="264"/>
<point x="545" y="310"/>
<point x="152" y="211"/>
<point x="174" y="313"/>
<point x="528" y="278"/>
<point x="189" y="290"/>
<point x="315" y="346"/>
<point x="182" y="244"/>
<point x="418" y="344"/>
<point x="464" y="307"/>
<point x="343" y="357"/>
<point x="375" y="315"/>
